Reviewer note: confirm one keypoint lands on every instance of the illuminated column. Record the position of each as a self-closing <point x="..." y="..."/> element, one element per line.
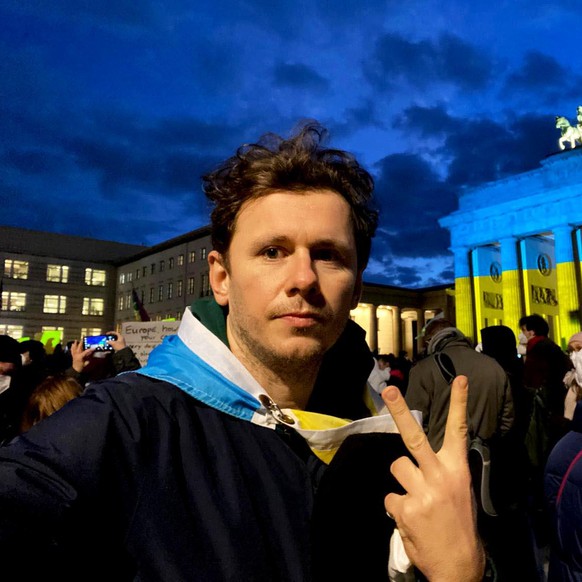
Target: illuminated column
<point x="568" y="292"/>
<point x="397" y="329"/>
<point x="463" y="292"/>
<point x="419" y="325"/>
<point x="511" y="283"/>
<point x="373" y="334"/>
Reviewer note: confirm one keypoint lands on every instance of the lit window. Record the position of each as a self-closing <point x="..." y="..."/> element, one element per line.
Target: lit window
<point x="87" y="331"/>
<point x="192" y="257"/>
<point x="15" y="269"/>
<point x="120" y="303"/>
<point x="14" y="331"/>
<point x="12" y="301"/>
<point x="93" y="306"/>
<point x="57" y="273"/>
<point x="203" y="253"/>
<point x="171" y="263"/>
<point x="95" y="277"/>
<point x="151" y="295"/>
<point x="170" y="293"/>
<point x="122" y="278"/>
<point x="55" y="304"/>
<point x="128" y="301"/>
<point x="180" y="260"/>
<point x="130" y="277"/>
<point x="137" y="274"/>
<point x="179" y="286"/>
<point x="160" y="293"/>
<point x="190" y="285"/>
<point x="162" y="265"/>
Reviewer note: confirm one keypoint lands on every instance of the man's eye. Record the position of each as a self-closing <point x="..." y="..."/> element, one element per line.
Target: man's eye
<point x="325" y="255"/>
<point x="272" y="253"/>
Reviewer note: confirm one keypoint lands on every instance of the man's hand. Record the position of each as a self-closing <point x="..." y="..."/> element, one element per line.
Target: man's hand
<point x="116" y="344"/>
<point x="437" y="516"/>
<point x="80" y="356"/>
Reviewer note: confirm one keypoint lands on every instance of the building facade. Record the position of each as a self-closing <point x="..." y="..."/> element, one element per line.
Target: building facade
<point x="517" y="249"/>
<point x="57" y="283"/>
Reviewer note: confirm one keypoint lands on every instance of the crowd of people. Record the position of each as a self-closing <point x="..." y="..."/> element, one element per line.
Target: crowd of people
<point x="265" y="441"/>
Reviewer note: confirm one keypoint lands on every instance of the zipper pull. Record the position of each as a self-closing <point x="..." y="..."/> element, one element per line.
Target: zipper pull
<point x="275" y="411"/>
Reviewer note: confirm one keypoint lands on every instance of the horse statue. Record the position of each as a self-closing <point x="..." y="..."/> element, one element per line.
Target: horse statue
<point x="569" y="133"/>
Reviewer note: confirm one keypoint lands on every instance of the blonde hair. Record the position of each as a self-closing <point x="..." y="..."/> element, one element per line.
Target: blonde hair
<point x="50" y="395"/>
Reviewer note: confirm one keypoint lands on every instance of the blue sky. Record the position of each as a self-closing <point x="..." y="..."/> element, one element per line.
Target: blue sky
<point x="110" y="111"/>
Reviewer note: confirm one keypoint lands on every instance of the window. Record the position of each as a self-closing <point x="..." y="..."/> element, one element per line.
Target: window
<point x="85" y="331"/>
<point x="128" y="301"/>
<point x="130" y="277"/>
<point x="170" y="293"/>
<point x="15" y="269"/>
<point x="144" y="271"/>
<point x="55" y="304"/>
<point x="120" y="303"/>
<point x="203" y="253"/>
<point x="192" y="257"/>
<point x="137" y="274"/>
<point x="162" y="265"/>
<point x="160" y="293"/>
<point x="122" y="278"/>
<point x="152" y="268"/>
<point x="151" y="294"/>
<point x="95" y="277"/>
<point x="205" y="287"/>
<point x="171" y="263"/>
<point x="180" y="260"/>
<point x="57" y="273"/>
<point x="179" y="286"/>
<point x="14" y="331"/>
<point x="61" y="330"/>
<point x="190" y="285"/>
<point x="12" y="301"/>
<point x="93" y="306"/>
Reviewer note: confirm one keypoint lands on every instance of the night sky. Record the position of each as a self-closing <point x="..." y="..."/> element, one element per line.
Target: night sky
<point x="110" y="111"/>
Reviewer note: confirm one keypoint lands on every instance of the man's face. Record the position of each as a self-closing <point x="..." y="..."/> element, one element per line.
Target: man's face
<point x="528" y="333"/>
<point x="6" y="368"/>
<point x="292" y="277"/>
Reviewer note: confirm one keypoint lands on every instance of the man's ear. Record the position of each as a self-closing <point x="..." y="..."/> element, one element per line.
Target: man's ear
<point x="357" y="290"/>
<point x="219" y="277"/>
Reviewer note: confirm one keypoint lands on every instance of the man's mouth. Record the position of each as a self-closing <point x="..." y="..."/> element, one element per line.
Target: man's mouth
<point x="301" y="318"/>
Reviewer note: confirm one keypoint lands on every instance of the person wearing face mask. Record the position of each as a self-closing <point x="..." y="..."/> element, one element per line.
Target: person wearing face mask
<point x="10" y="402"/>
<point x="573" y="378"/>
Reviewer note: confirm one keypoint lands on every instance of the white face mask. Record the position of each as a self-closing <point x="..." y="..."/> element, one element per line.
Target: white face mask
<point x="5" y="383"/>
<point x="576" y="358"/>
<point x="522" y="339"/>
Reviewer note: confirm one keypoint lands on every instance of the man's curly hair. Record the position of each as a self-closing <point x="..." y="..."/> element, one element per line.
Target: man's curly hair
<point x="295" y="164"/>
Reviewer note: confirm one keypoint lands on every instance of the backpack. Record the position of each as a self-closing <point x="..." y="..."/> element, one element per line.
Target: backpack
<point x="479" y="453"/>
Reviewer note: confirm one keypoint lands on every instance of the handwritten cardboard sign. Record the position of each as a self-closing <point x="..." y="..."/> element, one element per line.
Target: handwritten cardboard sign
<point x="143" y="336"/>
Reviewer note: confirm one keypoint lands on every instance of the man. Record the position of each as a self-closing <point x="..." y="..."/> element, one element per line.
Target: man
<point x="207" y="464"/>
<point x="490" y="410"/>
<point x="544" y="370"/>
<point x="12" y="398"/>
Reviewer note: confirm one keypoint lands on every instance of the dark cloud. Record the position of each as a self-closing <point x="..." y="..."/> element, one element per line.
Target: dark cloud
<point x="426" y="121"/>
<point x="543" y="75"/>
<point x="420" y="64"/>
<point x="299" y="76"/>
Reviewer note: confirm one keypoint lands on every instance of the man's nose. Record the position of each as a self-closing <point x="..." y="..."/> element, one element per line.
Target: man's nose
<point x="302" y="277"/>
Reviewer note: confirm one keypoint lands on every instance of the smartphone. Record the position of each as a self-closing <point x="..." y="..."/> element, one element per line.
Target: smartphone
<point x="98" y="342"/>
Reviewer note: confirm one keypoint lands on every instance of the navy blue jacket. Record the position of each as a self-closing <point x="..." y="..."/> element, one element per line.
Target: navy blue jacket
<point x="563" y="489"/>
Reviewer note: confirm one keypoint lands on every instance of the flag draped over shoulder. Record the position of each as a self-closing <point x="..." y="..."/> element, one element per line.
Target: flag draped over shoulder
<point x="140" y="312"/>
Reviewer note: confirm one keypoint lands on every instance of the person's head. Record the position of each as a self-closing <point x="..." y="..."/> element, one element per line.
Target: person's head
<point x="298" y="164"/>
<point x="383" y="361"/>
<point x="434" y="326"/>
<point x="575" y="342"/>
<point x="10" y="360"/>
<point x="500" y="343"/>
<point x="292" y="226"/>
<point x="32" y="351"/>
<point x="534" y="325"/>
<point x="48" y="397"/>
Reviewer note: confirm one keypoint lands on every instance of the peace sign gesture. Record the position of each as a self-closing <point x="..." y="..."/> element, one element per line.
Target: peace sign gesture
<point x="436" y="517"/>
